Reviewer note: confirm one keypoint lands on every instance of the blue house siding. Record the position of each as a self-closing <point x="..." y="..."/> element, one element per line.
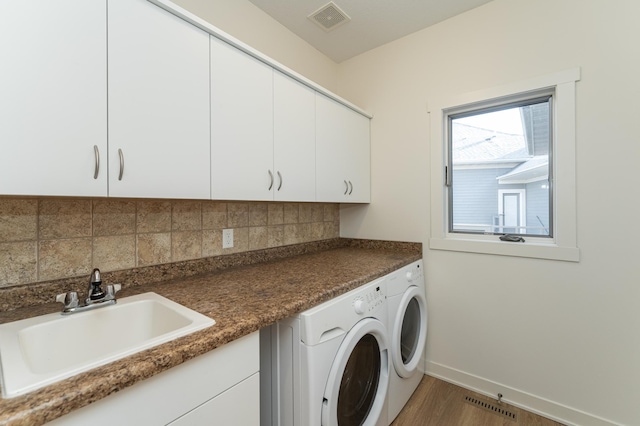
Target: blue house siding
<point x="475" y="200"/>
<point x="475" y="195"/>
<point x="537" y="207"/>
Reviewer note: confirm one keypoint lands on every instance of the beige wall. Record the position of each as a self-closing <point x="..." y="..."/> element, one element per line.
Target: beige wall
<point x="50" y="238"/>
<point x="249" y="24"/>
<point x="559" y="337"/>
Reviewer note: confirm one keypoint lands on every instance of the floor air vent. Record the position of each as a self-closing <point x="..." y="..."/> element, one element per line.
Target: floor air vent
<point x="496" y="409"/>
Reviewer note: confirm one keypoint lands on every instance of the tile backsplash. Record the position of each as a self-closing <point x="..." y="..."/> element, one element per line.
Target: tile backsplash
<point x="44" y="239"/>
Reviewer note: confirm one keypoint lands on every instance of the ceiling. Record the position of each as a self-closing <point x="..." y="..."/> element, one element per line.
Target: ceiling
<point x="372" y="24"/>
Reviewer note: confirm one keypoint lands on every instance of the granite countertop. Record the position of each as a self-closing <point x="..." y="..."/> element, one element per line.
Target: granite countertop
<point x="242" y="298"/>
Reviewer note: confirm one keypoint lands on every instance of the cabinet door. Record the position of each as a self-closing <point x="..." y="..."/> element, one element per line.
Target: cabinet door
<point x="294" y="142"/>
<point x="342" y="153"/>
<point x="158" y="103"/>
<point x="53" y="97"/>
<point x="238" y="406"/>
<point x="241" y="125"/>
<point x="168" y="396"/>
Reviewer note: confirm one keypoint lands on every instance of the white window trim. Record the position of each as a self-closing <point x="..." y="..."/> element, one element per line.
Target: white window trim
<point x="563" y="245"/>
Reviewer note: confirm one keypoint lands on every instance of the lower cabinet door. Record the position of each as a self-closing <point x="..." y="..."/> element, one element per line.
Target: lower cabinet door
<point x="184" y="389"/>
<point x="238" y="406"/>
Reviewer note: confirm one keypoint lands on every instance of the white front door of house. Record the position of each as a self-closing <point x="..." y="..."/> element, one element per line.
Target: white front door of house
<point x="511" y="208"/>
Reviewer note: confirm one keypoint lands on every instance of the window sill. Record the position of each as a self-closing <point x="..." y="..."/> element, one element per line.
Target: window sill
<point x="503" y="248"/>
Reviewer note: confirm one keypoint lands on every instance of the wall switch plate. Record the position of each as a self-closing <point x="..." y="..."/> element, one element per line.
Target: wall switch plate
<point x="227" y="238"/>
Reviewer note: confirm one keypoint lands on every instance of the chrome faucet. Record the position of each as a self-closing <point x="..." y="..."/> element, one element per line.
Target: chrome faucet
<point x="96" y="296"/>
<point x="94" y="292"/>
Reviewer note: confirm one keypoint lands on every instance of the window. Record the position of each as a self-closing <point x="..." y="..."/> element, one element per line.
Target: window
<point x="503" y="162"/>
<point x="498" y="158"/>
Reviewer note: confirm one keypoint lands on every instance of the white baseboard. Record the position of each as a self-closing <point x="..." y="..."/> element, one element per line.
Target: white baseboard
<point x="535" y="404"/>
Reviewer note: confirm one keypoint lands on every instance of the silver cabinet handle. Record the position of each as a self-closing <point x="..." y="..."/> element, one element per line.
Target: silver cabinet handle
<point x="351" y="188"/>
<point x="121" y="163"/>
<point x="346" y="188"/>
<point x="280" y="180"/>
<point x="96" y="170"/>
<point x="270" y="177"/>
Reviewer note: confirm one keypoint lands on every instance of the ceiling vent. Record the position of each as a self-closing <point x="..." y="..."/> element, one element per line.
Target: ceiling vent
<point x="329" y="17"/>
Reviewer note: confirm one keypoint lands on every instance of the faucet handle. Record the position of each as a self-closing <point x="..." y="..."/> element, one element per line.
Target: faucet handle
<point x="70" y="299"/>
<point x="112" y="289"/>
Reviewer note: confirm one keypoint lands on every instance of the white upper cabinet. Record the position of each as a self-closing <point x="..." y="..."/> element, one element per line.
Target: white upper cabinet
<point x="342" y="153"/>
<point x="158" y="103"/>
<point x="123" y="98"/>
<point x="294" y="140"/>
<point x="53" y="97"/>
<point x="241" y="125"/>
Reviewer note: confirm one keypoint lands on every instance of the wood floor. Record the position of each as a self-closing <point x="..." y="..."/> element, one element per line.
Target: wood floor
<point x="439" y="403"/>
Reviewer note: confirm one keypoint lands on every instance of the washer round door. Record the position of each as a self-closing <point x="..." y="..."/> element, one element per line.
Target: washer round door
<point x="409" y="332"/>
<point x="359" y="377"/>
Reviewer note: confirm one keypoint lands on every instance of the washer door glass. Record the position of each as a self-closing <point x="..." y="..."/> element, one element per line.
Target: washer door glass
<point x="359" y="383"/>
<point x="410" y="331"/>
<point x="356" y="390"/>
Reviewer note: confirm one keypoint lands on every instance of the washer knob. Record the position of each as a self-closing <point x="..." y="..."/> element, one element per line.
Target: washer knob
<point x="359" y="306"/>
<point x="410" y="276"/>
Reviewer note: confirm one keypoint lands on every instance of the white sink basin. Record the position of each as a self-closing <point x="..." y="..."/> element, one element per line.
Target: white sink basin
<point x="39" y="351"/>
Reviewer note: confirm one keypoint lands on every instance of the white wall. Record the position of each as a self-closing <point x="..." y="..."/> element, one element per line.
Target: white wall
<point x="248" y="23"/>
<point x="559" y="337"/>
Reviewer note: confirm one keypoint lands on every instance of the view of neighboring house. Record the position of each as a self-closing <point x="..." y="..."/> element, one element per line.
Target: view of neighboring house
<point x="500" y="180"/>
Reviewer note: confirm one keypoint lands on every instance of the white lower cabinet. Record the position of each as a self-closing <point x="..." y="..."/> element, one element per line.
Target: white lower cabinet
<point x="228" y="408"/>
<point x="221" y="387"/>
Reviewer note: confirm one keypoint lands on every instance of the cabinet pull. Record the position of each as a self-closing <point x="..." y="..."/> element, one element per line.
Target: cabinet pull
<point x="280" y="180"/>
<point x="96" y="170"/>
<point x="271" y="178"/>
<point x="346" y="185"/>
<point x="121" y="163"/>
<point x="350" y="187"/>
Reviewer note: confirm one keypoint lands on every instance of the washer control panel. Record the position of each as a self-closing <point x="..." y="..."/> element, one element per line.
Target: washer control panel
<point x="369" y="301"/>
<point x="415" y="273"/>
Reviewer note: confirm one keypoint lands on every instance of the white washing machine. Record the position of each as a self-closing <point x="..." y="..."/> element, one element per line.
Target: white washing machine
<point x="406" y="303"/>
<point x="330" y="364"/>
